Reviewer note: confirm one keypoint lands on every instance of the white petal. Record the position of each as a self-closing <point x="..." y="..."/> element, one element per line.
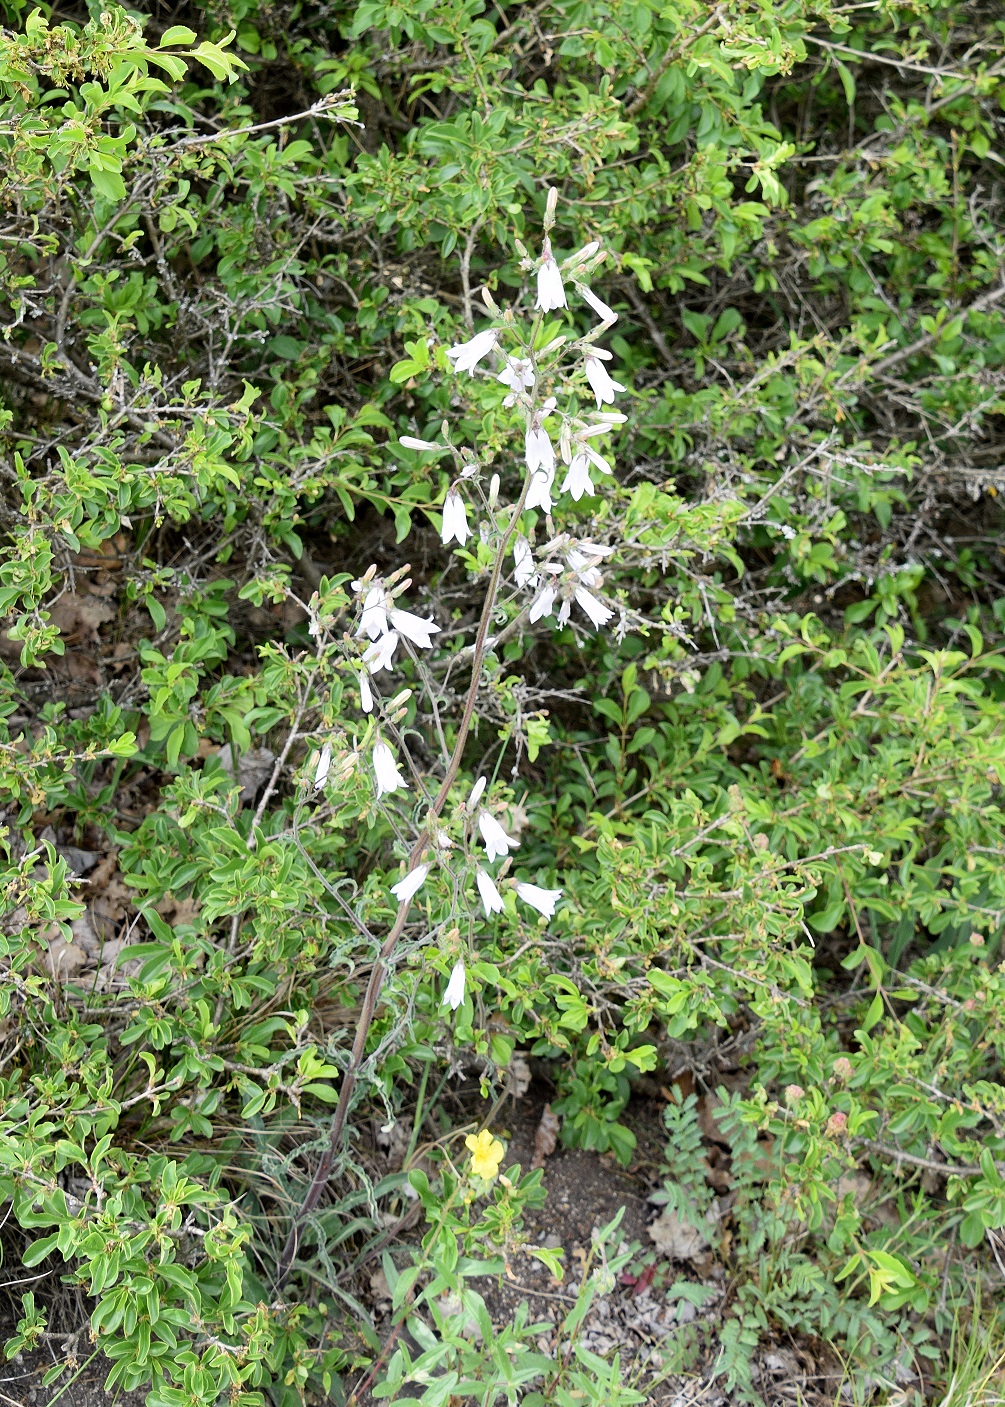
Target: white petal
<point x="542" y="603"/>
<point x="365" y="693"/>
<point x="385" y="768"/>
<point x="407" y="888"/>
<point x="373" y="621"/>
<point x="467" y="355"/>
<point x="414" y="628"/>
<point x="497" y="842"/>
<point x="491" y="898"/>
<point x="538" y="450"/>
<point x="601" y="383"/>
<point x="550" y="289"/>
<point x="476" y="793"/>
<point x="517" y="374"/>
<point x="454" y="994"/>
<point x="578" y="481"/>
<point x="410" y="442"/>
<point x="539" y="493"/>
<point x="455" y="519"/>
<point x="323" y="768"/>
<point x="596" y="610"/>
<point x="380" y="655"/>
<point x="544" y="900"/>
<point x="601" y="309"/>
<point x="523" y="561"/>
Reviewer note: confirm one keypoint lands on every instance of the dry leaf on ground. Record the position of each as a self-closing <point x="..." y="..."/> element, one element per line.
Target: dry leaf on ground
<point x="545" y="1137"/>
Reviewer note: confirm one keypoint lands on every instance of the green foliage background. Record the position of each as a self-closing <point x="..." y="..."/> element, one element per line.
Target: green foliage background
<point x="237" y="240"/>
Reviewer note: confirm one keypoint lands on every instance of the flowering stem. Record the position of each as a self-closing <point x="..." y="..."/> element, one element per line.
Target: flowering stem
<point x="379" y="970"/>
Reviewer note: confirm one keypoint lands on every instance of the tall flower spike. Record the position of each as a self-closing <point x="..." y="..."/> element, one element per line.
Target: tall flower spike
<point x="497" y="842"/>
<point x="550" y="288"/>
<point x="466" y="355"/>
<point x="454" y="994"/>
<point x="455" y="519"/>
<point x="544" y="900"/>
<point x="491" y="898"/>
<point x="600" y="382"/>
<point x="406" y="889"/>
<point x="385" y="769"/>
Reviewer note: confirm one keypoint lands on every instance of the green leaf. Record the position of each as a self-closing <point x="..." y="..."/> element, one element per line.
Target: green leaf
<point x="176" y="34"/>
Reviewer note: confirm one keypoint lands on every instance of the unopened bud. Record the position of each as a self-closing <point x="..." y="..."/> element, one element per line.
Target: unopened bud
<point x="551" y="207"/>
<point x="400" y="699"/>
<point x="493" y="490"/>
<point x="489" y="301"/>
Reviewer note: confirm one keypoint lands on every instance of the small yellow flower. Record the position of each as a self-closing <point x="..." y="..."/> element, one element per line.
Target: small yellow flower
<point x="486" y="1154"/>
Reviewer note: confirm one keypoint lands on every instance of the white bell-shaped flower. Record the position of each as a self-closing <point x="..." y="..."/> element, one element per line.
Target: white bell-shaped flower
<point x="373" y="621"/>
<point x="578" y="482"/>
<point x="413" y="627"/>
<point x="454" y="994"/>
<point x="596" y="610"/>
<point x="497" y="843"/>
<point x="365" y="693"/>
<point x="323" y="768"/>
<point x="406" y="889"/>
<point x="539" y="493"/>
<point x="517" y="374"/>
<point x="380" y="655"/>
<point x="544" y="900"/>
<point x="523" y="561"/>
<point x="550" y="288"/>
<point x="491" y="898"/>
<point x="466" y="355"/>
<point x="455" y="519"/>
<point x="410" y="442"/>
<point x="538" y="450"/>
<point x="385" y="769"/>
<point x="600" y="382"/>
<point x="601" y="309"/>
<point x="543" y="603"/>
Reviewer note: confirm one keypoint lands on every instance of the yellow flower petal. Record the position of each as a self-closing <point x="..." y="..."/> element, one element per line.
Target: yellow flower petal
<point x="486" y="1154"/>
